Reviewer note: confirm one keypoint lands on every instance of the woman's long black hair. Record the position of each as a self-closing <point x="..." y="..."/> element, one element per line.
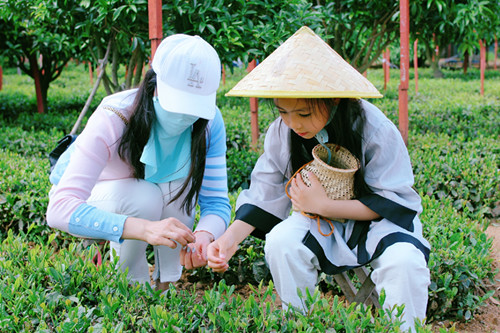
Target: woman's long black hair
<point x="345" y="129"/>
<point x="137" y="133"/>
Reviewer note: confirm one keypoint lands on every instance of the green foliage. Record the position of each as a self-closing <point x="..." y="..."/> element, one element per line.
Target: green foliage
<point x="437" y="23"/>
<point x="36" y="41"/>
<point x="464" y="172"/>
<point x="359" y="30"/>
<point x="477" y="20"/>
<point x="240" y="156"/>
<point x="24" y="190"/>
<point x="63" y="292"/>
<point x="123" y="25"/>
<point x="454" y="150"/>
<point x="460" y="263"/>
<point x="239" y="29"/>
<point x="459" y="110"/>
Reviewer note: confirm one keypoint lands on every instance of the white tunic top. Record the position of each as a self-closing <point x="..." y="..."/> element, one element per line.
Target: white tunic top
<point x="388" y="173"/>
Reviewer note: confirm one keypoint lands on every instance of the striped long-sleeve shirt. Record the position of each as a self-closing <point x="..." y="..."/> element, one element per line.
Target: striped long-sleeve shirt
<point x="94" y="157"/>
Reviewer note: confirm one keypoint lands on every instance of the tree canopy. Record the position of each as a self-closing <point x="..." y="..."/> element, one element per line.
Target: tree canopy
<point x="41" y="36"/>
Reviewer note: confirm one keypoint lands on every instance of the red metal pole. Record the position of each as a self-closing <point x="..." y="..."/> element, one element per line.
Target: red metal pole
<point x="415" y="63"/>
<point x="386" y="66"/>
<point x="91" y="74"/>
<point x="433" y="42"/>
<point x="482" y="63"/>
<point x="155" y="24"/>
<point x="496" y="53"/>
<point x="223" y="75"/>
<point x="388" y="59"/>
<point x="254" y="109"/>
<point x="404" y="31"/>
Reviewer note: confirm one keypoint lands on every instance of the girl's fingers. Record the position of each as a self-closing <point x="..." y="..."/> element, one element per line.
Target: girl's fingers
<point x="220" y="269"/>
<point x="188" y="263"/>
<point x="201" y="252"/>
<point x="313" y="179"/>
<point x="182" y="256"/>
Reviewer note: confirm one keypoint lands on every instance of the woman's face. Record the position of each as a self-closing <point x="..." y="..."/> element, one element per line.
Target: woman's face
<point x="300" y="118"/>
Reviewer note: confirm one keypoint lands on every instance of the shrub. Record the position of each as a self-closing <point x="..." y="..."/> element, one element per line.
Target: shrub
<point x="460" y="261"/>
<point x="453" y="148"/>
<point x="64" y="292"/>
<point x="24" y="188"/>
<point x="462" y="170"/>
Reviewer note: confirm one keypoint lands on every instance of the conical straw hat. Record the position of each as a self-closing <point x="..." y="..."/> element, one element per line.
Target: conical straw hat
<point x="304" y="66"/>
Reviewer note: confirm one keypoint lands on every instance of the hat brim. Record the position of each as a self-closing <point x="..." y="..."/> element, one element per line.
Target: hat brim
<point x="178" y="101"/>
<point x="302" y="94"/>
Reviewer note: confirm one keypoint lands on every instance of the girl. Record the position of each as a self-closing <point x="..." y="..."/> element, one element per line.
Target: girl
<point x="381" y="224"/>
<point x="146" y="157"/>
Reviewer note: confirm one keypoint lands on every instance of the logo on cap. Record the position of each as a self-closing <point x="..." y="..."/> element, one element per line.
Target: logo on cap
<point x="194" y="77"/>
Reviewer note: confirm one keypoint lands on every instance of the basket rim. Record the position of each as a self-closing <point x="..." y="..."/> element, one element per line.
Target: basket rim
<point x="329" y="167"/>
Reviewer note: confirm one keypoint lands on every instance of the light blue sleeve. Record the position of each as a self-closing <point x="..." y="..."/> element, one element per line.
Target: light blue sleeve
<point x="217" y="136"/>
<point x="88" y="221"/>
<point x="213" y="197"/>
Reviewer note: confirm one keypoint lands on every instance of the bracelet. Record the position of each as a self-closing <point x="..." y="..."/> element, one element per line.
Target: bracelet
<point x="212" y="238"/>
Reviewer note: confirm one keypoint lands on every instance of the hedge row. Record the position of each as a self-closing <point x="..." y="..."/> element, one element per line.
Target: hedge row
<point x="63" y="292"/>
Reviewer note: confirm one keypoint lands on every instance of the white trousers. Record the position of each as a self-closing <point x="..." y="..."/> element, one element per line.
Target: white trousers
<point x="401" y="270"/>
<point x="140" y="198"/>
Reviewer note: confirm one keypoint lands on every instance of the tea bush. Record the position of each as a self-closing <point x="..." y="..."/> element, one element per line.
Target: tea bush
<point x="459" y="262"/>
<point x="453" y="144"/>
<point x="63" y="292"/>
<point x="462" y="170"/>
<point x="24" y="190"/>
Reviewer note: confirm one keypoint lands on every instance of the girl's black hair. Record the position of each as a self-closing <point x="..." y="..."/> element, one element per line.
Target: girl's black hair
<point x="345" y="129"/>
<point x="136" y="135"/>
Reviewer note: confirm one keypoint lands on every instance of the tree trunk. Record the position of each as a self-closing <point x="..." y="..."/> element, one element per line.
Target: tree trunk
<point x="434" y="61"/>
<point x="40" y="101"/>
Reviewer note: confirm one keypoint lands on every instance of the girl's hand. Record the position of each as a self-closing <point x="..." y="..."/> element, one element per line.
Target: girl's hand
<point x="305" y="198"/>
<point x="220" y="251"/>
<point x="195" y="254"/>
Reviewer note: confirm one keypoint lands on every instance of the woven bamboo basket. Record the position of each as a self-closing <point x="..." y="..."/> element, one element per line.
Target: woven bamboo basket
<point x="337" y="177"/>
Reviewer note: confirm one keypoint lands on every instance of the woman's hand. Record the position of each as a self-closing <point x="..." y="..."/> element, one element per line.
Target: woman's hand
<point x="195" y="254"/>
<point x="305" y="198"/>
<point x="220" y="251"/>
<point x="168" y="232"/>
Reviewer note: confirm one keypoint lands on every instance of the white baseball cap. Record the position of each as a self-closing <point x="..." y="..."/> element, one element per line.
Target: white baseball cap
<point x="188" y="72"/>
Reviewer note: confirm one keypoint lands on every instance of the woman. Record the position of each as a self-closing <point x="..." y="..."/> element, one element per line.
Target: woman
<point x="146" y="157"/>
<point x="318" y="96"/>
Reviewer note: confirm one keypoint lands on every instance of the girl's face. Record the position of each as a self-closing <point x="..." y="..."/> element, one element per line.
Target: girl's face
<point x="300" y="118"/>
